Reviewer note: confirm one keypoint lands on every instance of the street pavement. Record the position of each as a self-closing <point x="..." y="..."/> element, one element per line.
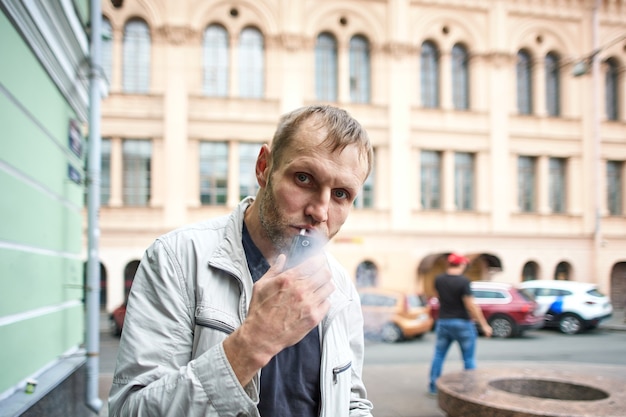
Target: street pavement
<point x="386" y="384"/>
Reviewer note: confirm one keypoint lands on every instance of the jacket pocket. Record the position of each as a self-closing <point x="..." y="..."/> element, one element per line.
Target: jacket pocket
<point x="212" y="327"/>
<point x="215" y="324"/>
<point x="338" y="370"/>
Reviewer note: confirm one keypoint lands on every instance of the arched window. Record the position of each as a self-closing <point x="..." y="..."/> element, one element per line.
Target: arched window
<point x="524" y="83"/>
<point x="251" y="63"/>
<point x="360" y="76"/>
<point x="460" y="77"/>
<point x="530" y="271"/>
<point x="107" y="49"/>
<point x="611" y="89"/>
<point x="136" y="57"/>
<point x="129" y="276"/>
<point x="215" y="61"/>
<point x="429" y="59"/>
<point x="562" y="271"/>
<point x="326" y="67"/>
<point x="553" y="84"/>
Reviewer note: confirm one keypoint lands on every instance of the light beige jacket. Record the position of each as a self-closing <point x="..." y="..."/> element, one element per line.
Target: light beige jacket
<point x="192" y="289"/>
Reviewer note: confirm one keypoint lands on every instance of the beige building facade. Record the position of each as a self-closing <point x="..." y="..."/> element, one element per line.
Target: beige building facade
<point x="499" y="128"/>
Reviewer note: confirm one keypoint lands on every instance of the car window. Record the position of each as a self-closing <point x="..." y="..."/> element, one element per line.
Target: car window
<point x="545" y="292"/>
<point x="415" y="301"/>
<point x="526" y="294"/>
<point x="487" y="294"/>
<point x="594" y="292"/>
<point x="377" y="300"/>
<point x="532" y="291"/>
<point x="551" y="292"/>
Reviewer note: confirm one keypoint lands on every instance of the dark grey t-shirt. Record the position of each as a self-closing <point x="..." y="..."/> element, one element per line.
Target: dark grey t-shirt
<point x="290" y="382"/>
<point x="451" y="290"/>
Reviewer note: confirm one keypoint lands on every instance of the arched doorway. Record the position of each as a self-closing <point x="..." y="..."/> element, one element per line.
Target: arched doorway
<point x="431" y="266"/>
<point x="483" y="266"/>
<point x="366" y="274"/>
<point x="618" y="286"/>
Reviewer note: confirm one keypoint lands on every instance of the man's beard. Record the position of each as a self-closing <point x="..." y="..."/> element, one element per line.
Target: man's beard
<point x="272" y="222"/>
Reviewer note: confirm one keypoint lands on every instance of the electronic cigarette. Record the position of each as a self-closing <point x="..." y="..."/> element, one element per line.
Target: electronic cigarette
<point x="300" y="246"/>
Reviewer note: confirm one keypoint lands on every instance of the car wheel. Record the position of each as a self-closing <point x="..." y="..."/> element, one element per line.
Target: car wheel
<point x="502" y="326"/>
<point x="391" y="333"/>
<point x="570" y="324"/>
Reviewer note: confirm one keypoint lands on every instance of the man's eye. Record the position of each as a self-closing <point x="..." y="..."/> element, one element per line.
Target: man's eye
<point x="341" y="194"/>
<point x="302" y="178"/>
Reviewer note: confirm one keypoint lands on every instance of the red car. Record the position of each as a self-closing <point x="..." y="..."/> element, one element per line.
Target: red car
<point x="509" y="310"/>
<point x="116" y="320"/>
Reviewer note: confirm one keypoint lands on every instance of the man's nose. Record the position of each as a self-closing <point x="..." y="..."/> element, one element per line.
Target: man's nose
<point x="317" y="207"/>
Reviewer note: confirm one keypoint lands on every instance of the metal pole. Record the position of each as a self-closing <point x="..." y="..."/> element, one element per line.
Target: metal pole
<point x="93" y="205"/>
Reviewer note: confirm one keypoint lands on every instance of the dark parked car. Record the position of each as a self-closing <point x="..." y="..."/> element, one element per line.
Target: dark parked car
<point x="508" y="310"/>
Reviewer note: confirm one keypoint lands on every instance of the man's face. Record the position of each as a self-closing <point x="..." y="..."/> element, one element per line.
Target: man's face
<point x="310" y="188"/>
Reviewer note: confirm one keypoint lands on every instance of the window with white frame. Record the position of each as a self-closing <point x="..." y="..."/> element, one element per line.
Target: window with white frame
<point x="106" y="50"/>
<point x="326" y="67"/>
<point x="105" y="171"/>
<point x="360" y="67"/>
<point x="557" y="197"/>
<point x="611" y="88"/>
<point x="251" y="63"/>
<point x="553" y="84"/>
<point x="213" y="173"/>
<point x="464" y="181"/>
<point x="215" y="61"/>
<point x="248" y="184"/>
<point x="524" y="82"/>
<point x="429" y="66"/>
<point x="460" y="77"/>
<point x="136" y="72"/>
<point x="430" y="178"/>
<point x="614" y="187"/>
<point x="137" y="160"/>
<point x="526" y="166"/>
<point x="365" y="199"/>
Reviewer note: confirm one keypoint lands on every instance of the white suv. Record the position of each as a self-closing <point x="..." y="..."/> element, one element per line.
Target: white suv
<point x="571" y="306"/>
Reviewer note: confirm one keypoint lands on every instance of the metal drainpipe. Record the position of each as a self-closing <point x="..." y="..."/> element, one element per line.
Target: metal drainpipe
<point x="92" y="400"/>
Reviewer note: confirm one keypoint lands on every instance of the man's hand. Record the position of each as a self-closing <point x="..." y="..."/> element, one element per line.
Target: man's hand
<point x="285" y="306"/>
<point x="487" y="330"/>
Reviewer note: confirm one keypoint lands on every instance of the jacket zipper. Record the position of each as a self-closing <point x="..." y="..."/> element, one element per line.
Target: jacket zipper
<point x="216" y="325"/>
<point x="340" y="369"/>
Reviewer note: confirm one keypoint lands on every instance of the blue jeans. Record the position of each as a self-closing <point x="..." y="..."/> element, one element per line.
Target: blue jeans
<point x="450" y="330"/>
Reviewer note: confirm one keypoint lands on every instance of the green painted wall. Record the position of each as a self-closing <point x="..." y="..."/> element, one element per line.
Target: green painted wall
<point x="41" y="267"/>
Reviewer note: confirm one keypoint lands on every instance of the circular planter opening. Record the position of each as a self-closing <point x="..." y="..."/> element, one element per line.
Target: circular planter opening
<point x="543" y="388"/>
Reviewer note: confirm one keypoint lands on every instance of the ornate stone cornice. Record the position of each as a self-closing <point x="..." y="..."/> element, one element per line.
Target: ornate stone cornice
<point x="176" y="35"/>
<point x="396" y="49"/>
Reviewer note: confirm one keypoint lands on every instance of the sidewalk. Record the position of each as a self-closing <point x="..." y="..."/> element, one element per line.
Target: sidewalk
<point x="398" y="390"/>
<point x="617" y="322"/>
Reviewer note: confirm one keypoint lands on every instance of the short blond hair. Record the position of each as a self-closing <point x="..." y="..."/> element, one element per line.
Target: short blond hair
<point x="342" y="130"/>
